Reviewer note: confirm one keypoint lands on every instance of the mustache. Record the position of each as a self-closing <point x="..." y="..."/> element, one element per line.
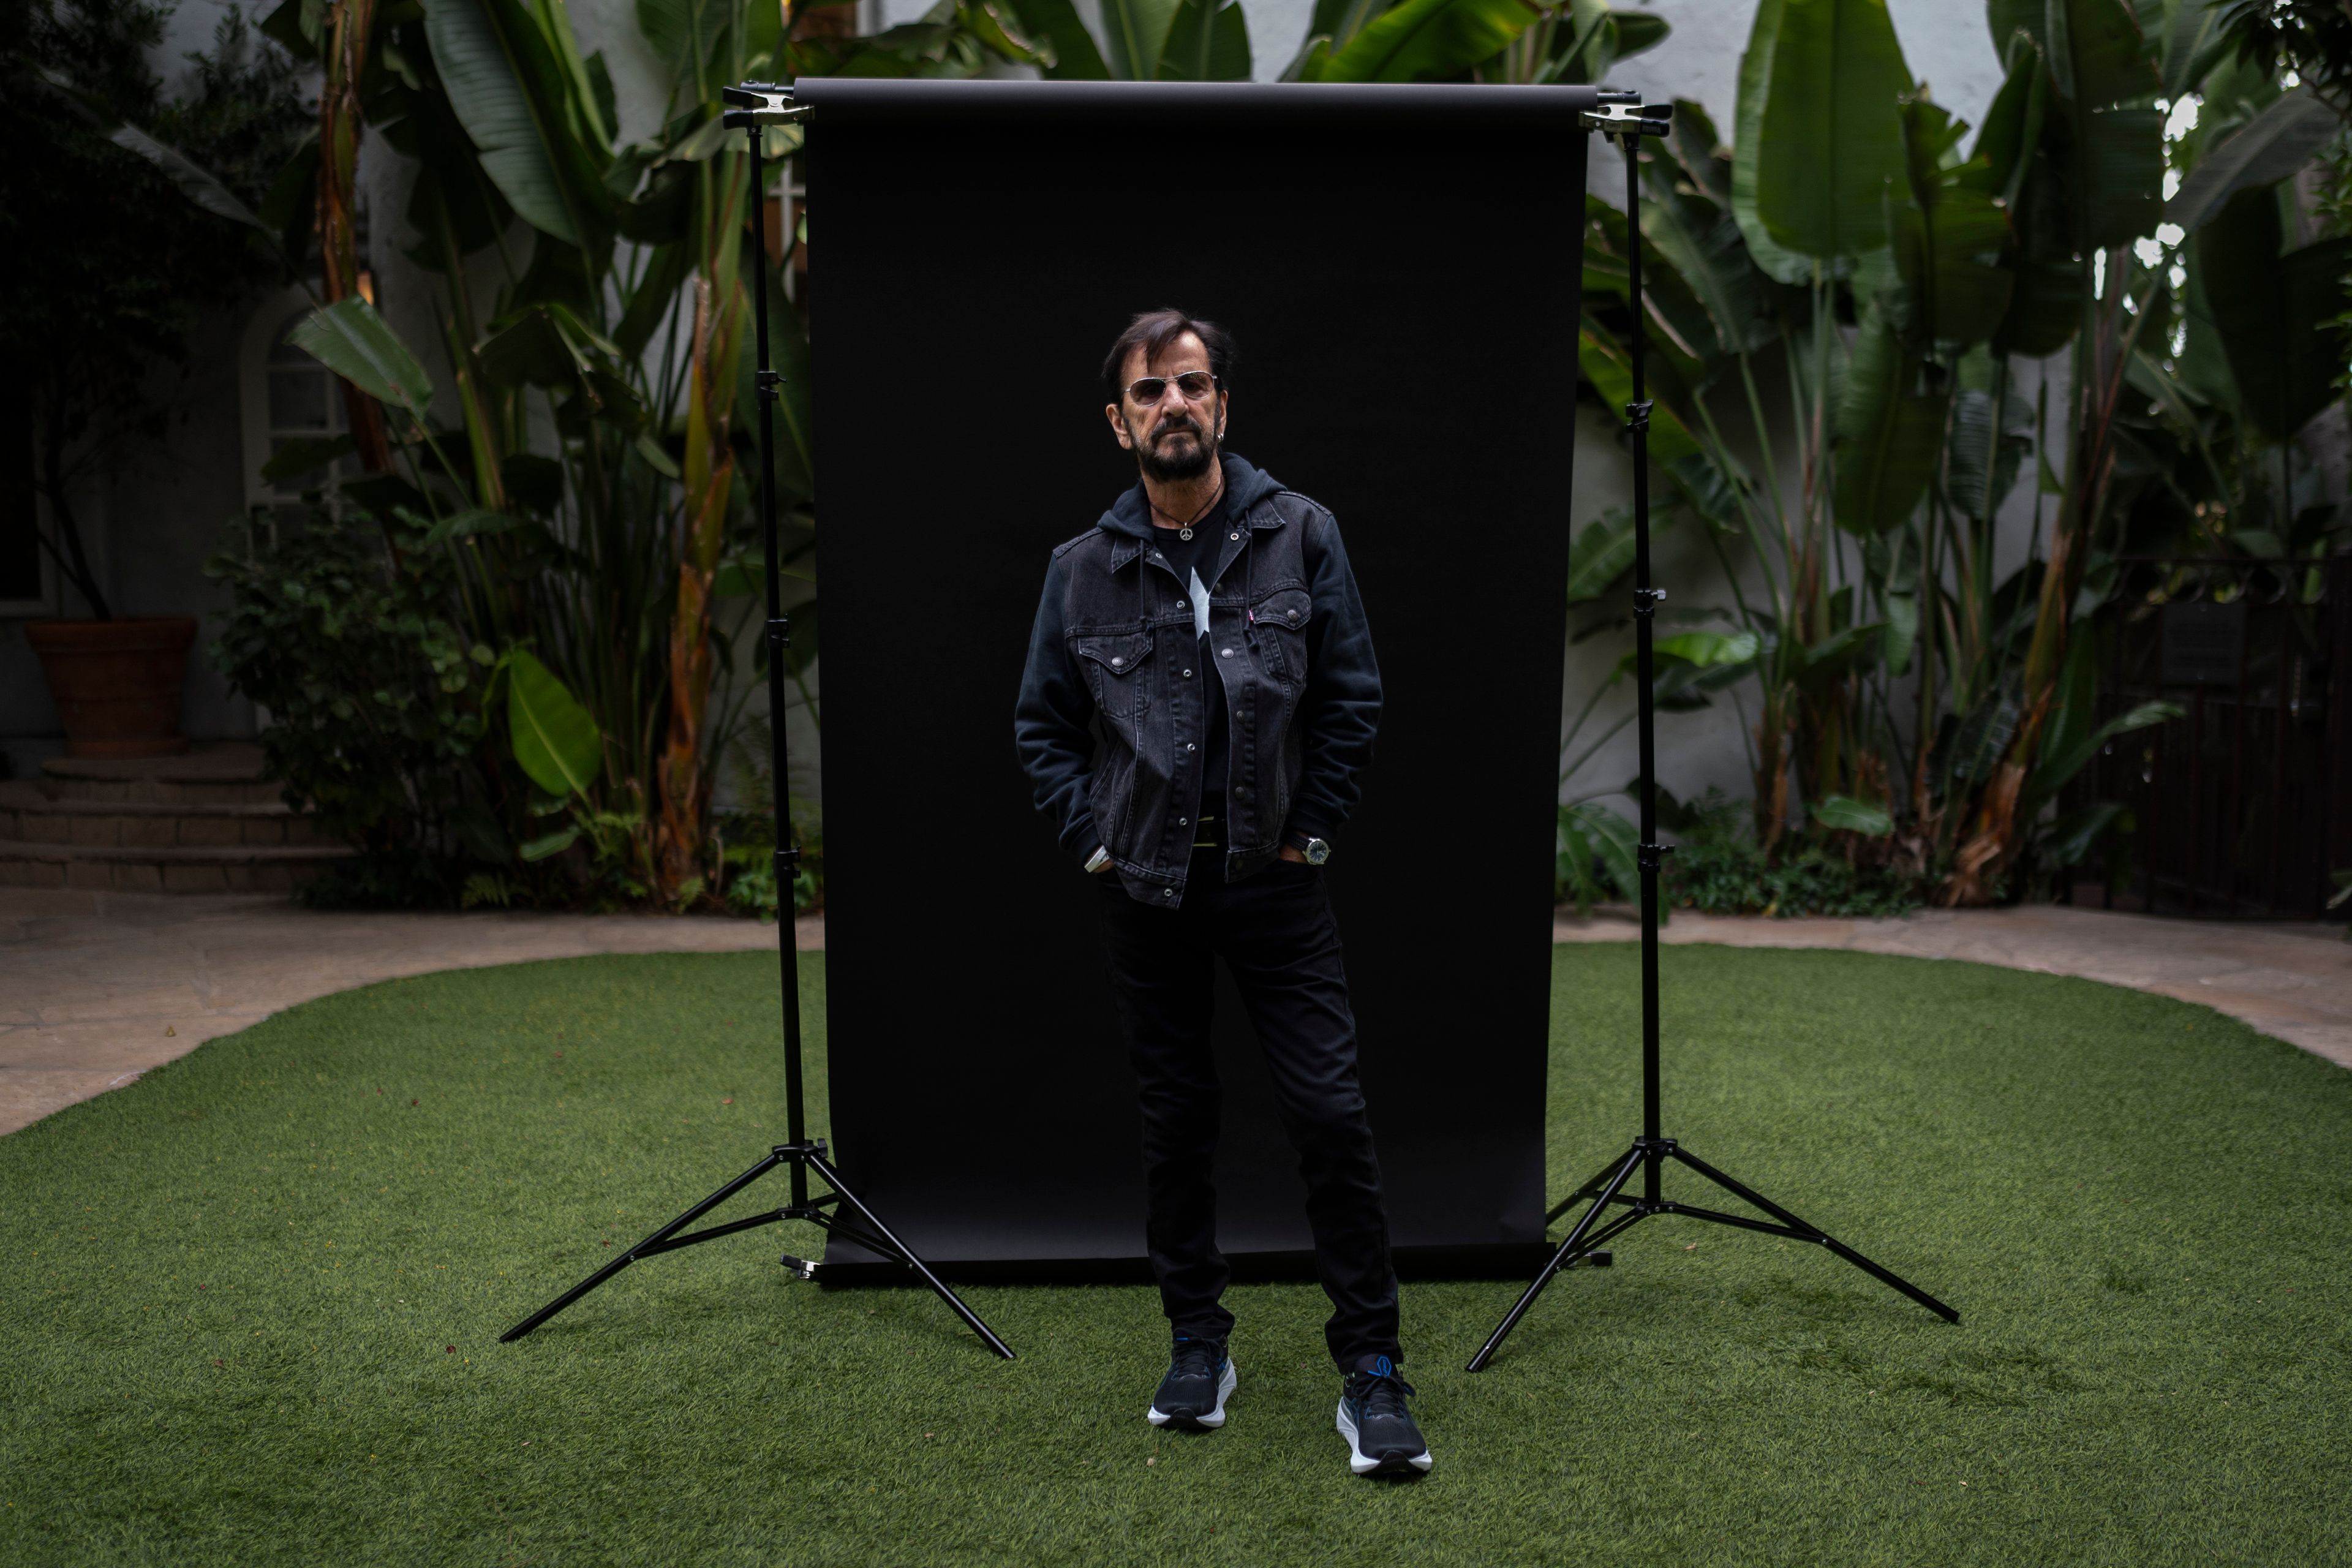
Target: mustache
<point x="1177" y="425"/>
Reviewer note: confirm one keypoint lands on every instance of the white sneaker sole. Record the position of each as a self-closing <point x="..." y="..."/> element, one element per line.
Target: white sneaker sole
<point x="1214" y="1418"/>
<point x="1363" y="1464"/>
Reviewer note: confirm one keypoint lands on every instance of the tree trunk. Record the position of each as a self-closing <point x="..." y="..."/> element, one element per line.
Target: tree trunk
<point x="339" y="152"/>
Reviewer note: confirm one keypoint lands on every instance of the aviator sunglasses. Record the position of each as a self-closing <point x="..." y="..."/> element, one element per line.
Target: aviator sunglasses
<point x="1195" y="384"/>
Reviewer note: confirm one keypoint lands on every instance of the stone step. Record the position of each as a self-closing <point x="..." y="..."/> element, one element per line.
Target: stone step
<point x="30" y="816"/>
<point x="234" y="868"/>
<point x="209" y="773"/>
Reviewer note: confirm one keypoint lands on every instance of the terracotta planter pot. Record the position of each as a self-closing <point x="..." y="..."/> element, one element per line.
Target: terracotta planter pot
<point x="117" y="683"/>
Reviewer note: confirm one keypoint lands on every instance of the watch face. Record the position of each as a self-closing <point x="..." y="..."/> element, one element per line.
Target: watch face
<point x="1317" y="852"/>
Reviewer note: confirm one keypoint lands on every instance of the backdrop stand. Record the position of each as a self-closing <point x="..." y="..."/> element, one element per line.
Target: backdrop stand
<point x="1625" y="120"/>
<point x="753" y="107"/>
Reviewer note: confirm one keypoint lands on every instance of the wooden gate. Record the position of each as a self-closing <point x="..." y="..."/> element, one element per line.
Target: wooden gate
<point x="2238" y="808"/>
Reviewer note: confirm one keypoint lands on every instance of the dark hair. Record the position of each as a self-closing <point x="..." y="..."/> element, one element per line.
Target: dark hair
<point x="1154" y="331"/>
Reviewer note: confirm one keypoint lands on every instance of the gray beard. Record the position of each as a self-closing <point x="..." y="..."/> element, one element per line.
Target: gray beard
<point x="1191" y="466"/>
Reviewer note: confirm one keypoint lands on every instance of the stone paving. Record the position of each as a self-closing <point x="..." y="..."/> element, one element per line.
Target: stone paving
<point x="2291" y="980"/>
<point x="97" y="987"/>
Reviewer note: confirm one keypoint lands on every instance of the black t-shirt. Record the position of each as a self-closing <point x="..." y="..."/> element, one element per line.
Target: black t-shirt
<point x="1197" y="556"/>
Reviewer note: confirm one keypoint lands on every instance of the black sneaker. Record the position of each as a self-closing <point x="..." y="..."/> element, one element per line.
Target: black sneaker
<point x="1381" y="1437"/>
<point x="1192" y="1395"/>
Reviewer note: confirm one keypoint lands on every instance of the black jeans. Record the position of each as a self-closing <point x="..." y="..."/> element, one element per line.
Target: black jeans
<point x="1275" y="931"/>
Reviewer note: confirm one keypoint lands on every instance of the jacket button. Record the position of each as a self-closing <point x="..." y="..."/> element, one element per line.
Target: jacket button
<point x="1188" y="745"/>
<point x="1232" y="536"/>
<point x="1228" y="653"/>
<point x="1167" y="892"/>
<point x="1188" y="675"/>
<point x="1183" y="822"/>
<point x="1293" y="614"/>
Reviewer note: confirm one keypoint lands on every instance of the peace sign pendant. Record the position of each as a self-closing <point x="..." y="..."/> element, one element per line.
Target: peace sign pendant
<point x="1184" y="533"/>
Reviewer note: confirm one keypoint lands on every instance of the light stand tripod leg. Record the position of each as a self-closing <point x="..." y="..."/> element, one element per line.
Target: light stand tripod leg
<point x="1883" y="1275"/>
<point x="906" y="1254"/>
<point x="1635" y="1157"/>
<point x="664" y="1234"/>
<point x="1591" y="1185"/>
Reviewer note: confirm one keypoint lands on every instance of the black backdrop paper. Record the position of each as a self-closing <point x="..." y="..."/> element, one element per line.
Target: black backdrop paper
<point x="1400" y="267"/>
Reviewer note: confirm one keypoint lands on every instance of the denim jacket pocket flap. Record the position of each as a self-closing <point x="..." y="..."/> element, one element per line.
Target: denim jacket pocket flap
<point x="1118" y="653"/>
<point x="1288" y="609"/>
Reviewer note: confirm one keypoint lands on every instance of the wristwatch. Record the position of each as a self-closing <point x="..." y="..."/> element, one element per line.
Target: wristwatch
<point x="1098" y="859"/>
<point x="1315" y="850"/>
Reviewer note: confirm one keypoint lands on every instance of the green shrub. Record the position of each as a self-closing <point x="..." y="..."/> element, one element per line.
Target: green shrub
<point x="1717" y="868"/>
<point x="376" y="703"/>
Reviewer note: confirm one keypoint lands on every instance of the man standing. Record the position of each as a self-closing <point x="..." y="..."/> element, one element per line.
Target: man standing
<point x="1201" y="695"/>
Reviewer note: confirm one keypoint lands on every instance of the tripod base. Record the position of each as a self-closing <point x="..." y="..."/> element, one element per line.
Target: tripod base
<point x="1607" y="1189"/>
<point x="839" y="1211"/>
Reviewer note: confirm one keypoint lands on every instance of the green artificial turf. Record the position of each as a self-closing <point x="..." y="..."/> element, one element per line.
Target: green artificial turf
<point x="252" y="1305"/>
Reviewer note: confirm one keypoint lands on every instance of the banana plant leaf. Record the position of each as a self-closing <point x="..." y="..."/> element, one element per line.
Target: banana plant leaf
<point x="1678" y="325"/>
<point x="543" y="345"/>
<point x="1889" y="434"/>
<point x="1699" y="152"/>
<point x="1703" y="244"/>
<point x="1589" y="831"/>
<point x="555" y="738"/>
<point x="2073" y="837"/>
<point x="348" y="338"/>
<point x="1077" y="57"/>
<point x="451" y="185"/>
<point x="996" y="28"/>
<point x="2059" y="765"/>
<point x="1814" y="664"/>
<point x="1847" y="814"/>
<point x="2002" y="155"/>
<point x="1608" y="366"/>
<point x="1710" y="649"/>
<point x="1756" y="67"/>
<point x="2273" y="144"/>
<point x="2195" y="40"/>
<point x="1207" y="42"/>
<point x="1901" y="638"/>
<point x="508" y="84"/>
<point x="195" y="183"/>
<point x="1601" y="553"/>
<point x="1987" y="443"/>
<point x="1137" y="31"/>
<point x="1341" y="20"/>
<point x="1940" y="278"/>
<point x="1424" y="40"/>
<point x="1830" y="147"/>
<point x="2098" y="57"/>
<point x="2045" y="304"/>
<point x="2270" y="312"/>
<point x="2119" y="192"/>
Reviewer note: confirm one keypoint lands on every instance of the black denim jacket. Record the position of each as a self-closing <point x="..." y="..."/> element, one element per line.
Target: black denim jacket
<point x="1112" y="713"/>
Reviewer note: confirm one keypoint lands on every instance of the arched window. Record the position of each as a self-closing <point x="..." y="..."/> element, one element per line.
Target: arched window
<point x="292" y="407"/>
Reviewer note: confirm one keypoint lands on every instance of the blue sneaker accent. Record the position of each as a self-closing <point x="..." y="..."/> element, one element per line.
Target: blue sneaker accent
<point x="1382" y="1437"/>
<point x="1200" y="1380"/>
